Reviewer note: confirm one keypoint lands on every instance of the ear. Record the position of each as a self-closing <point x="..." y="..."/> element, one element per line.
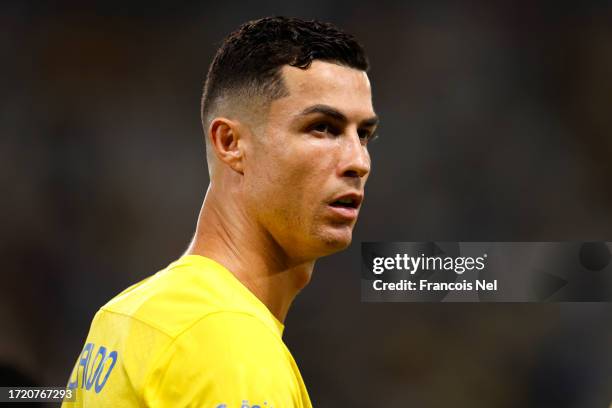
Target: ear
<point x="226" y="142"/>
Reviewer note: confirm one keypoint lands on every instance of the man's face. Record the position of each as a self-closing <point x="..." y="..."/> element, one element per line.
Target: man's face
<point x="306" y="172"/>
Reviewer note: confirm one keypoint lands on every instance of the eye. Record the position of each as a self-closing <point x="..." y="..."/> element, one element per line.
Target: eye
<point x="366" y="135"/>
<point x="325" y="128"/>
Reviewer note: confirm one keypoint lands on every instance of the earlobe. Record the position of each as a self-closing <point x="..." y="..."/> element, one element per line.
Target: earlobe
<point x="226" y="143"/>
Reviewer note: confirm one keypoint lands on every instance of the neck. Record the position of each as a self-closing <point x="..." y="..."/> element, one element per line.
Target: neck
<point x="226" y="234"/>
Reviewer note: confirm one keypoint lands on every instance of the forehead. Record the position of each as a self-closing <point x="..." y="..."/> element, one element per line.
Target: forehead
<point x="346" y="89"/>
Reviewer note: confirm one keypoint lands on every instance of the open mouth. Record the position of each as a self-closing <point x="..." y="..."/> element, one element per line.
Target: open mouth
<point x="345" y="203"/>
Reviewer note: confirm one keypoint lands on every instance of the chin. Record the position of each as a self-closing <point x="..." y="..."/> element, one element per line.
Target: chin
<point x="325" y="240"/>
<point x="335" y="241"/>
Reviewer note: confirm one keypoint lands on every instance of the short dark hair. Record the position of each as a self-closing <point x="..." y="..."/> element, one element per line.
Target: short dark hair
<point x="250" y="58"/>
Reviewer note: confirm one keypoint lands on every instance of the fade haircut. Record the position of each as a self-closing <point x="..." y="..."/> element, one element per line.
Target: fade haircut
<point x="247" y="66"/>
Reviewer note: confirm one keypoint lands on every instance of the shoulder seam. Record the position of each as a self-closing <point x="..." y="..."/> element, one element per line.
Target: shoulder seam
<point x="138" y="319"/>
<point x="189" y="326"/>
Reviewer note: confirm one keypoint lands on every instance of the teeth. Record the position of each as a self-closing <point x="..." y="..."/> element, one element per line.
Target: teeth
<point x="346" y="201"/>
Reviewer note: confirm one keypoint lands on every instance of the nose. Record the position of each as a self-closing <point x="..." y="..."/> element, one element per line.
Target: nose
<point x="355" y="160"/>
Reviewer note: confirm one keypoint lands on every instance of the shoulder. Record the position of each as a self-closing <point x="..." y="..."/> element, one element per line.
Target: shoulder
<point x="225" y="356"/>
<point x="225" y="337"/>
<point x="174" y="298"/>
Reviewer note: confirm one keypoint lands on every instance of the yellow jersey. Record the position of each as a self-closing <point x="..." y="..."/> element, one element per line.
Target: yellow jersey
<point x="189" y="336"/>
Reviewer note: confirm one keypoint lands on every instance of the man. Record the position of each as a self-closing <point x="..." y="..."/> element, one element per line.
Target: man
<point x="287" y="113"/>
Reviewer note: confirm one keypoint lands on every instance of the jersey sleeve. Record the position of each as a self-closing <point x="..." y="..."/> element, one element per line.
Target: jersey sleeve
<point x="225" y="360"/>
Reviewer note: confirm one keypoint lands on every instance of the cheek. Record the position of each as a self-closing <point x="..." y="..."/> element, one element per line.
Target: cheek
<point x="293" y="182"/>
<point x="274" y="185"/>
<point x="309" y="168"/>
<point x="291" y="173"/>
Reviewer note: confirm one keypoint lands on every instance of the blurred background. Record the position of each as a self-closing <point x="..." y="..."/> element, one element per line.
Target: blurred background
<point x="496" y="125"/>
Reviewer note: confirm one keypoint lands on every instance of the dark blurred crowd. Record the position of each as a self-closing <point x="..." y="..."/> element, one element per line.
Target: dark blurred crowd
<point x="496" y="126"/>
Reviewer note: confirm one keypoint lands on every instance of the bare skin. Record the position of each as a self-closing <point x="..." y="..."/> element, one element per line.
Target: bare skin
<point x="267" y="215"/>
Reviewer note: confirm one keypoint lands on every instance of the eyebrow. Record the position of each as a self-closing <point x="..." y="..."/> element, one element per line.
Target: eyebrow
<point x="336" y="114"/>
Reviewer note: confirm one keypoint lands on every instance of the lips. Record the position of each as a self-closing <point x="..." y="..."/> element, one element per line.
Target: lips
<point x="351" y="200"/>
<point x="346" y="206"/>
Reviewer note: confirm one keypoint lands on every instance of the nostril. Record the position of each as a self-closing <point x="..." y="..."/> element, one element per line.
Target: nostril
<point x="351" y="173"/>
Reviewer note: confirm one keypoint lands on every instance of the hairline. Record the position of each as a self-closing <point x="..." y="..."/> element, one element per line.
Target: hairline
<point x="248" y="91"/>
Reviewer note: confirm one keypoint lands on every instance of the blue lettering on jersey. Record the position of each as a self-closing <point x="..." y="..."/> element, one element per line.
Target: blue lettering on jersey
<point x="93" y="368"/>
